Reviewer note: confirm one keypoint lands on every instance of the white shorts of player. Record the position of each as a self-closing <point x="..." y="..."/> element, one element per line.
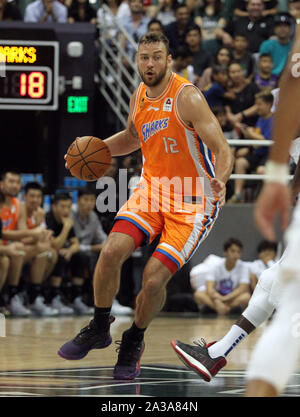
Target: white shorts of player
<point x="276" y="354"/>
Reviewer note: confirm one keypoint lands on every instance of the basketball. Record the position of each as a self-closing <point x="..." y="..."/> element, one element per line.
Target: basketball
<point x="88" y="158"/>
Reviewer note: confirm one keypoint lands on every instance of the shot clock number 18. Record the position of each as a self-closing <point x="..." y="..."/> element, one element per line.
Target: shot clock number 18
<point x="31" y="75"/>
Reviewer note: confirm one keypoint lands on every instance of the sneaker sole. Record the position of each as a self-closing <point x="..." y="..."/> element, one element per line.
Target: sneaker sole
<point x="192" y="363"/>
<point x="78" y="357"/>
<point x="137" y="372"/>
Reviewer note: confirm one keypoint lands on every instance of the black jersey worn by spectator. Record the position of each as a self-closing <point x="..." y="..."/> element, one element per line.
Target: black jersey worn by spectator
<point x="269" y="4"/>
<point x="53" y="224"/>
<point x="255" y="31"/>
<point x="245" y="99"/>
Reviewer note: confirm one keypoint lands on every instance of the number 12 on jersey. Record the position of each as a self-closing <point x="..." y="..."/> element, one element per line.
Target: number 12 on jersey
<point x="170" y="145"/>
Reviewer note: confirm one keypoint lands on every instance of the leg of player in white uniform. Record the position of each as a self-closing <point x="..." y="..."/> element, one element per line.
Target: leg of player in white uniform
<point x="270" y="369"/>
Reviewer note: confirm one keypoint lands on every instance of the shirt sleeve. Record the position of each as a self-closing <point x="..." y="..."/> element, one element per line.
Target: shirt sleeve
<point x="100" y="235"/>
<point x="245" y="275"/>
<point x="30" y="16"/>
<point x="265" y="48"/>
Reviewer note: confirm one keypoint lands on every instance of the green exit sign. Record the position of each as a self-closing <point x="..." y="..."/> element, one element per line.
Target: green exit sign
<point x="78" y="104"/>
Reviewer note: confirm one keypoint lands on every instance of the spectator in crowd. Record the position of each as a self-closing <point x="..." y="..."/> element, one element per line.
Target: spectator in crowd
<point x="136" y="24"/>
<point x="9" y="11"/>
<point x="280" y="47"/>
<point x="271" y="8"/>
<point x="216" y="92"/>
<point x="266" y="254"/>
<point x="14" y="229"/>
<point x="294" y="9"/>
<point x="243" y="107"/>
<point x="223" y="57"/>
<point x="176" y="31"/>
<point x="166" y="11"/>
<point x="227" y="128"/>
<point x="227" y="282"/>
<point x="181" y="63"/>
<point x="255" y="27"/>
<point x="46" y="11"/>
<point x="201" y="58"/>
<point x="264" y="78"/>
<point x="120" y="9"/>
<point x="210" y="17"/>
<point x="70" y="258"/>
<point x="35" y="218"/>
<point x="155" y="25"/>
<point x="81" y="11"/>
<point x="242" y="55"/>
<point x="87" y="226"/>
<point x="254" y="160"/>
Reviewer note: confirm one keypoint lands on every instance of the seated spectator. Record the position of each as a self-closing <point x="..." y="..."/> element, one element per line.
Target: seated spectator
<point x="9" y="11"/>
<point x="243" y="107"/>
<point x="87" y="226"/>
<point x="264" y="78"/>
<point x="69" y="257"/>
<point x="81" y="11"/>
<point x="224" y="58"/>
<point x="227" y="128"/>
<point x="255" y="27"/>
<point x="227" y="282"/>
<point x="254" y="160"/>
<point x="155" y="25"/>
<point x="270" y="8"/>
<point x="216" y="93"/>
<point x="280" y="47"/>
<point x="199" y="272"/>
<point x="166" y="11"/>
<point x="210" y="17"/>
<point x="14" y="229"/>
<point x="176" y="31"/>
<point x="136" y="24"/>
<point x="46" y="11"/>
<point x="201" y="58"/>
<point x="242" y="55"/>
<point x="106" y="22"/>
<point x="181" y="63"/>
<point x="47" y="258"/>
<point x="266" y="254"/>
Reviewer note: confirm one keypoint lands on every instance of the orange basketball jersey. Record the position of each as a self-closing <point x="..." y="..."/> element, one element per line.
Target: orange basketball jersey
<point x="9" y="216"/>
<point x="170" y="147"/>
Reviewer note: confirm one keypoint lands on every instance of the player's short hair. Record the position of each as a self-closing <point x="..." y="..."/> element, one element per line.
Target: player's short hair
<point x="266" y="245"/>
<point x="33" y="186"/>
<point x="86" y="191"/>
<point x="265" y="96"/>
<point x="232" y="241"/>
<point x="61" y="197"/>
<point x="2" y="197"/>
<point x="153" y="37"/>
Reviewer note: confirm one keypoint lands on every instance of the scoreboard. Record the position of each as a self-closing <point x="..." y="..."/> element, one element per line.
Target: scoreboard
<point x="29" y="75"/>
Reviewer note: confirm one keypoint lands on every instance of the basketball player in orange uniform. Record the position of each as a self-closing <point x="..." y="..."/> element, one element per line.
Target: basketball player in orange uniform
<point x="14" y="229"/>
<point x="181" y="140"/>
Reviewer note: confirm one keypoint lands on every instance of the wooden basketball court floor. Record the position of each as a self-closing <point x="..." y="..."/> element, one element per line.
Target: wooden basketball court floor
<point x="30" y="365"/>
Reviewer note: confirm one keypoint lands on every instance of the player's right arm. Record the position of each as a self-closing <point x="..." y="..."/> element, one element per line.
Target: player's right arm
<point x="126" y="141"/>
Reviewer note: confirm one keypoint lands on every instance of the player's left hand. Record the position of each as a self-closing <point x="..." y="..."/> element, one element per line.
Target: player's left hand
<point x="219" y="190"/>
<point x="274" y="198"/>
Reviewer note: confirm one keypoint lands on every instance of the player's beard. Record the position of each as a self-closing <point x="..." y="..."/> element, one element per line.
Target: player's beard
<point x="156" y="80"/>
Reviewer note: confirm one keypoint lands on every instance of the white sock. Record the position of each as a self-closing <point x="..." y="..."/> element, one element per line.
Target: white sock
<point x="224" y="346"/>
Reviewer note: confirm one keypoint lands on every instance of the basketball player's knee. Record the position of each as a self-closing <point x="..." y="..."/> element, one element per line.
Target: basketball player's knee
<point x="152" y="287"/>
<point x="113" y="255"/>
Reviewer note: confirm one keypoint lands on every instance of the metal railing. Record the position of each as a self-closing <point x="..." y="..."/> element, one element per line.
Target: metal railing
<point x="118" y="71"/>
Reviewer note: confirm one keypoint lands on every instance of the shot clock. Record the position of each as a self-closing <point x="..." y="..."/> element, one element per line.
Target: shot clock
<point x="30" y="70"/>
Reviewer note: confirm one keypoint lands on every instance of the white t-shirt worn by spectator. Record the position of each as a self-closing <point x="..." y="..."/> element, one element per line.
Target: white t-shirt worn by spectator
<point x="227" y="281"/>
<point x="199" y="272"/>
<point x="257" y="267"/>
